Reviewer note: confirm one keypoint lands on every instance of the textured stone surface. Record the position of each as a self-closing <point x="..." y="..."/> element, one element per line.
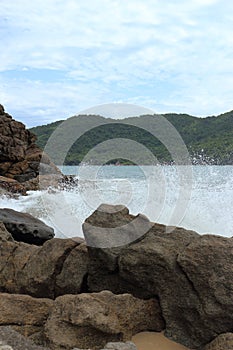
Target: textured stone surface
<point x="25" y="314"/>
<point x="72" y="277"/>
<point x="191" y="275"/>
<point x="4" y="234"/>
<point x="16" y="341"/>
<point x="45" y="271"/>
<point x="11" y="186"/>
<point x="25" y="228"/>
<point x="117" y="346"/>
<point x="103" y="269"/>
<point x="120" y="346"/>
<point x="92" y="320"/>
<point x="20" y="157"/>
<point x="38" y="278"/>
<point x="222" y="342"/>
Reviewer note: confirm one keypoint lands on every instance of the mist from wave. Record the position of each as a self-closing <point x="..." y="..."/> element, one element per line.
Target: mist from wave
<point x="153" y="191"/>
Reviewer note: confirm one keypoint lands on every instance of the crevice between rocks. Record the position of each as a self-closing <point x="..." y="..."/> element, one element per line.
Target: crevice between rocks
<point x="59" y="267"/>
<point x="181" y="269"/>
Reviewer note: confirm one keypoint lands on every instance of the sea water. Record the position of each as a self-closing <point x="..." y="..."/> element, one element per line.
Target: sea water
<point x="199" y="198"/>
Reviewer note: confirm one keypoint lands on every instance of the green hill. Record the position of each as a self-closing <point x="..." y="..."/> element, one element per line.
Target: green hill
<point x="209" y="140"/>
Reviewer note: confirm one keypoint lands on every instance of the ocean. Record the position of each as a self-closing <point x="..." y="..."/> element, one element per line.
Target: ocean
<point x="198" y="198"/>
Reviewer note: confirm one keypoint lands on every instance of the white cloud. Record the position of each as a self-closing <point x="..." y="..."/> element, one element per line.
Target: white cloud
<point x="170" y="54"/>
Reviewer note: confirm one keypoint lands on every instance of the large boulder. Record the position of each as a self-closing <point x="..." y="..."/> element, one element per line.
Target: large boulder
<point x="92" y="320"/>
<point x="105" y="246"/>
<point x="25" y="228"/>
<point x="191" y="275"/>
<point x="20" y="158"/>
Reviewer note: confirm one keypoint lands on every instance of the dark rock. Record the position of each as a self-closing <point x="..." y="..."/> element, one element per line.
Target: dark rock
<point x="2" y="111"/>
<point x="25" y="228"/>
<point x="92" y="320"/>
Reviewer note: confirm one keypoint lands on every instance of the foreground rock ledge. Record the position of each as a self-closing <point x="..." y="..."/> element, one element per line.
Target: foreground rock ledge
<point x="189" y="277"/>
<point x="92" y="320"/>
<point x="85" y="321"/>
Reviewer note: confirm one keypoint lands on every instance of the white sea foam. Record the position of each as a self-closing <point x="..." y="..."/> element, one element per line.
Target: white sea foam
<point x="154" y="192"/>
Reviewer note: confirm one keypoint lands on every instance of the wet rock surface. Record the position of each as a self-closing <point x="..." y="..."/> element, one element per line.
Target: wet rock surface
<point x="25" y="228"/>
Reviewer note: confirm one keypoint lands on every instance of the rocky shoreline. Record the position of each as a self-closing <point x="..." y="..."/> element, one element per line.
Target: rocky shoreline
<point x="65" y="294"/>
<point x="129" y="275"/>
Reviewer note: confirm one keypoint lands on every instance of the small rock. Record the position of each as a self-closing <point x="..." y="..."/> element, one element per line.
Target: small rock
<point x="222" y="342"/>
<point x="120" y="346"/>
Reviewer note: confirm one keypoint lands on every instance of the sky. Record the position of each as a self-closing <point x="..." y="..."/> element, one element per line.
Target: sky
<point x="60" y="57"/>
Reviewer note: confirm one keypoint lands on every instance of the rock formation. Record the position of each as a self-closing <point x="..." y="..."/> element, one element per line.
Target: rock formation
<point x="25" y="228"/>
<point x="180" y="281"/>
<point x="20" y="157"/>
<point x="191" y="275"/>
<point x="92" y="320"/>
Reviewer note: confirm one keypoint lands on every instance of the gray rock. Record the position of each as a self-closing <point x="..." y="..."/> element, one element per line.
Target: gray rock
<point x="116" y="346"/>
<point x="222" y="342"/>
<point x="25" y="228"/>
<point x="120" y="346"/>
<point x="17" y="341"/>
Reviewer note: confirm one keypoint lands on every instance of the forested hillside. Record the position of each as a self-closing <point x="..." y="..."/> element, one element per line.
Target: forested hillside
<point x="209" y="140"/>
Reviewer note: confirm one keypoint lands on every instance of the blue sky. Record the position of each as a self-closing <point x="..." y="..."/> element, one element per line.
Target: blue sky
<point x="59" y="57"/>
